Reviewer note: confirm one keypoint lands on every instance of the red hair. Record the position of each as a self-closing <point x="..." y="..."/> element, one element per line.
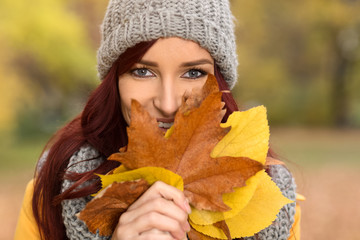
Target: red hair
<point x="101" y="125"/>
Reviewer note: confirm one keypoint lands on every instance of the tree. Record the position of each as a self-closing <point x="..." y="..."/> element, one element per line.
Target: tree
<point x="48" y="48"/>
<point x="298" y="58"/>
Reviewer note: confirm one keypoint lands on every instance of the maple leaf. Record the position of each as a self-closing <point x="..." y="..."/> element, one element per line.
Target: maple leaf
<point x="186" y="152"/>
<point x="257" y="214"/>
<point x="103" y="212"/>
<point x="195" y="235"/>
<point x="194" y="157"/>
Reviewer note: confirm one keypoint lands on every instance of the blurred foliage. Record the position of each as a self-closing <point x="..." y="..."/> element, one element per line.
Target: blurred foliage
<point x="48" y="62"/>
<point x="299" y="58"/>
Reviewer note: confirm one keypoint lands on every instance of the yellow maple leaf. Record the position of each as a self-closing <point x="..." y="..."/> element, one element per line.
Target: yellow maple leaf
<point x="248" y="137"/>
<point x="254" y="206"/>
<point x="236" y="201"/>
<point x="150" y="174"/>
<point x="258" y="214"/>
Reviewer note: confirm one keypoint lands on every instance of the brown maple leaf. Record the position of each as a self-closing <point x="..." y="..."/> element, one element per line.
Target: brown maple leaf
<point x="195" y="235"/>
<point x="103" y="212"/>
<point x="187" y="151"/>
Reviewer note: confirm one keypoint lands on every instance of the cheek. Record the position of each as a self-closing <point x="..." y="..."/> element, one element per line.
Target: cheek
<point x="128" y="90"/>
<point x="125" y="106"/>
<point x="187" y="87"/>
<point x="137" y="91"/>
<point x="125" y="90"/>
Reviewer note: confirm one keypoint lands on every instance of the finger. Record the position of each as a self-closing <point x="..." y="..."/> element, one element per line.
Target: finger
<point x="160" y="189"/>
<point x="158" y="221"/>
<point x="156" y="237"/>
<point x="156" y="234"/>
<point x="161" y="206"/>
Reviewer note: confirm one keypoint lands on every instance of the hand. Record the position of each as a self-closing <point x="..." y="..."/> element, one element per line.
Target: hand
<point x="160" y="213"/>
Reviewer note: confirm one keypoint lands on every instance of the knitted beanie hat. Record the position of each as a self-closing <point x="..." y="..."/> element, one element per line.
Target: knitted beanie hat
<point x="207" y="22"/>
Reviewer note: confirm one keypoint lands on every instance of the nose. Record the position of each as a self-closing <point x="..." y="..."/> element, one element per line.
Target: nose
<point x="168" y="99"/>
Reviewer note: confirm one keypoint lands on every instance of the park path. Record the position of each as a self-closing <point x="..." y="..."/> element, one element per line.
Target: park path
<point x="331" y="210"/>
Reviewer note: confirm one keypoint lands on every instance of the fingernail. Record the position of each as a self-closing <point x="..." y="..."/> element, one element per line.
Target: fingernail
<point x="187" y="206"/>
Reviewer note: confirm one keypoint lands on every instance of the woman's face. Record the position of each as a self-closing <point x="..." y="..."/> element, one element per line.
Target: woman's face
<point x="171" y="68"/>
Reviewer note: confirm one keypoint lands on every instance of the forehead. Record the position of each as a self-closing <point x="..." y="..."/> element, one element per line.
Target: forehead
<point x="177" y="48"/>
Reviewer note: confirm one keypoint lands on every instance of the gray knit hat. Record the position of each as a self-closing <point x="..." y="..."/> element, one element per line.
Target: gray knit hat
<point x="207" y="22"/>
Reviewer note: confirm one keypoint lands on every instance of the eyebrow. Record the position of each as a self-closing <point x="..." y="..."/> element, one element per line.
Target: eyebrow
<point x="186" y="64"/>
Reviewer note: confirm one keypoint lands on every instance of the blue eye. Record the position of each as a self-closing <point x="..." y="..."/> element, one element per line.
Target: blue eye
<point x="194" y="73"/>
<point x="142" y="72"/>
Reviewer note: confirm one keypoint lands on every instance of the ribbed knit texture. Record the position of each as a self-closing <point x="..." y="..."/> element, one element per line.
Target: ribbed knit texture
<point x="207" y="22"/>
<point x="76" y="229"/>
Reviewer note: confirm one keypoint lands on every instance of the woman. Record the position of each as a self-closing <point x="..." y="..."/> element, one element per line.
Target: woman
<point x="154" y="51"/>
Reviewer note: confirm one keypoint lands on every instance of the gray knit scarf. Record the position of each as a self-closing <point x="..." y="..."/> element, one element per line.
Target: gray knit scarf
<point x="76" y="229"/>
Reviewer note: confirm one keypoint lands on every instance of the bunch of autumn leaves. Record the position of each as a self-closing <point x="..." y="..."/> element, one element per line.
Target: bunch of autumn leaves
<point x="219" y="167"/>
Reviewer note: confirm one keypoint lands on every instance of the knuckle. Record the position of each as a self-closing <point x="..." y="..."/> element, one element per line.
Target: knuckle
<point x="158" y="185"/>
<point x="152" y="217"/>
<point x="121" y="232"/>
<point x="159" y="203"/>
<point x="123" y="218"/>
<point x="152" y="237"/>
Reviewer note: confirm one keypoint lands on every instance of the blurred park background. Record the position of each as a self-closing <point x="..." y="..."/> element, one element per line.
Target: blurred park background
<point x="301" y="59"/>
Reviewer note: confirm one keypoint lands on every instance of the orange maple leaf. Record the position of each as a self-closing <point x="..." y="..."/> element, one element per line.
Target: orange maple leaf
<point x="187" y="151"/>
